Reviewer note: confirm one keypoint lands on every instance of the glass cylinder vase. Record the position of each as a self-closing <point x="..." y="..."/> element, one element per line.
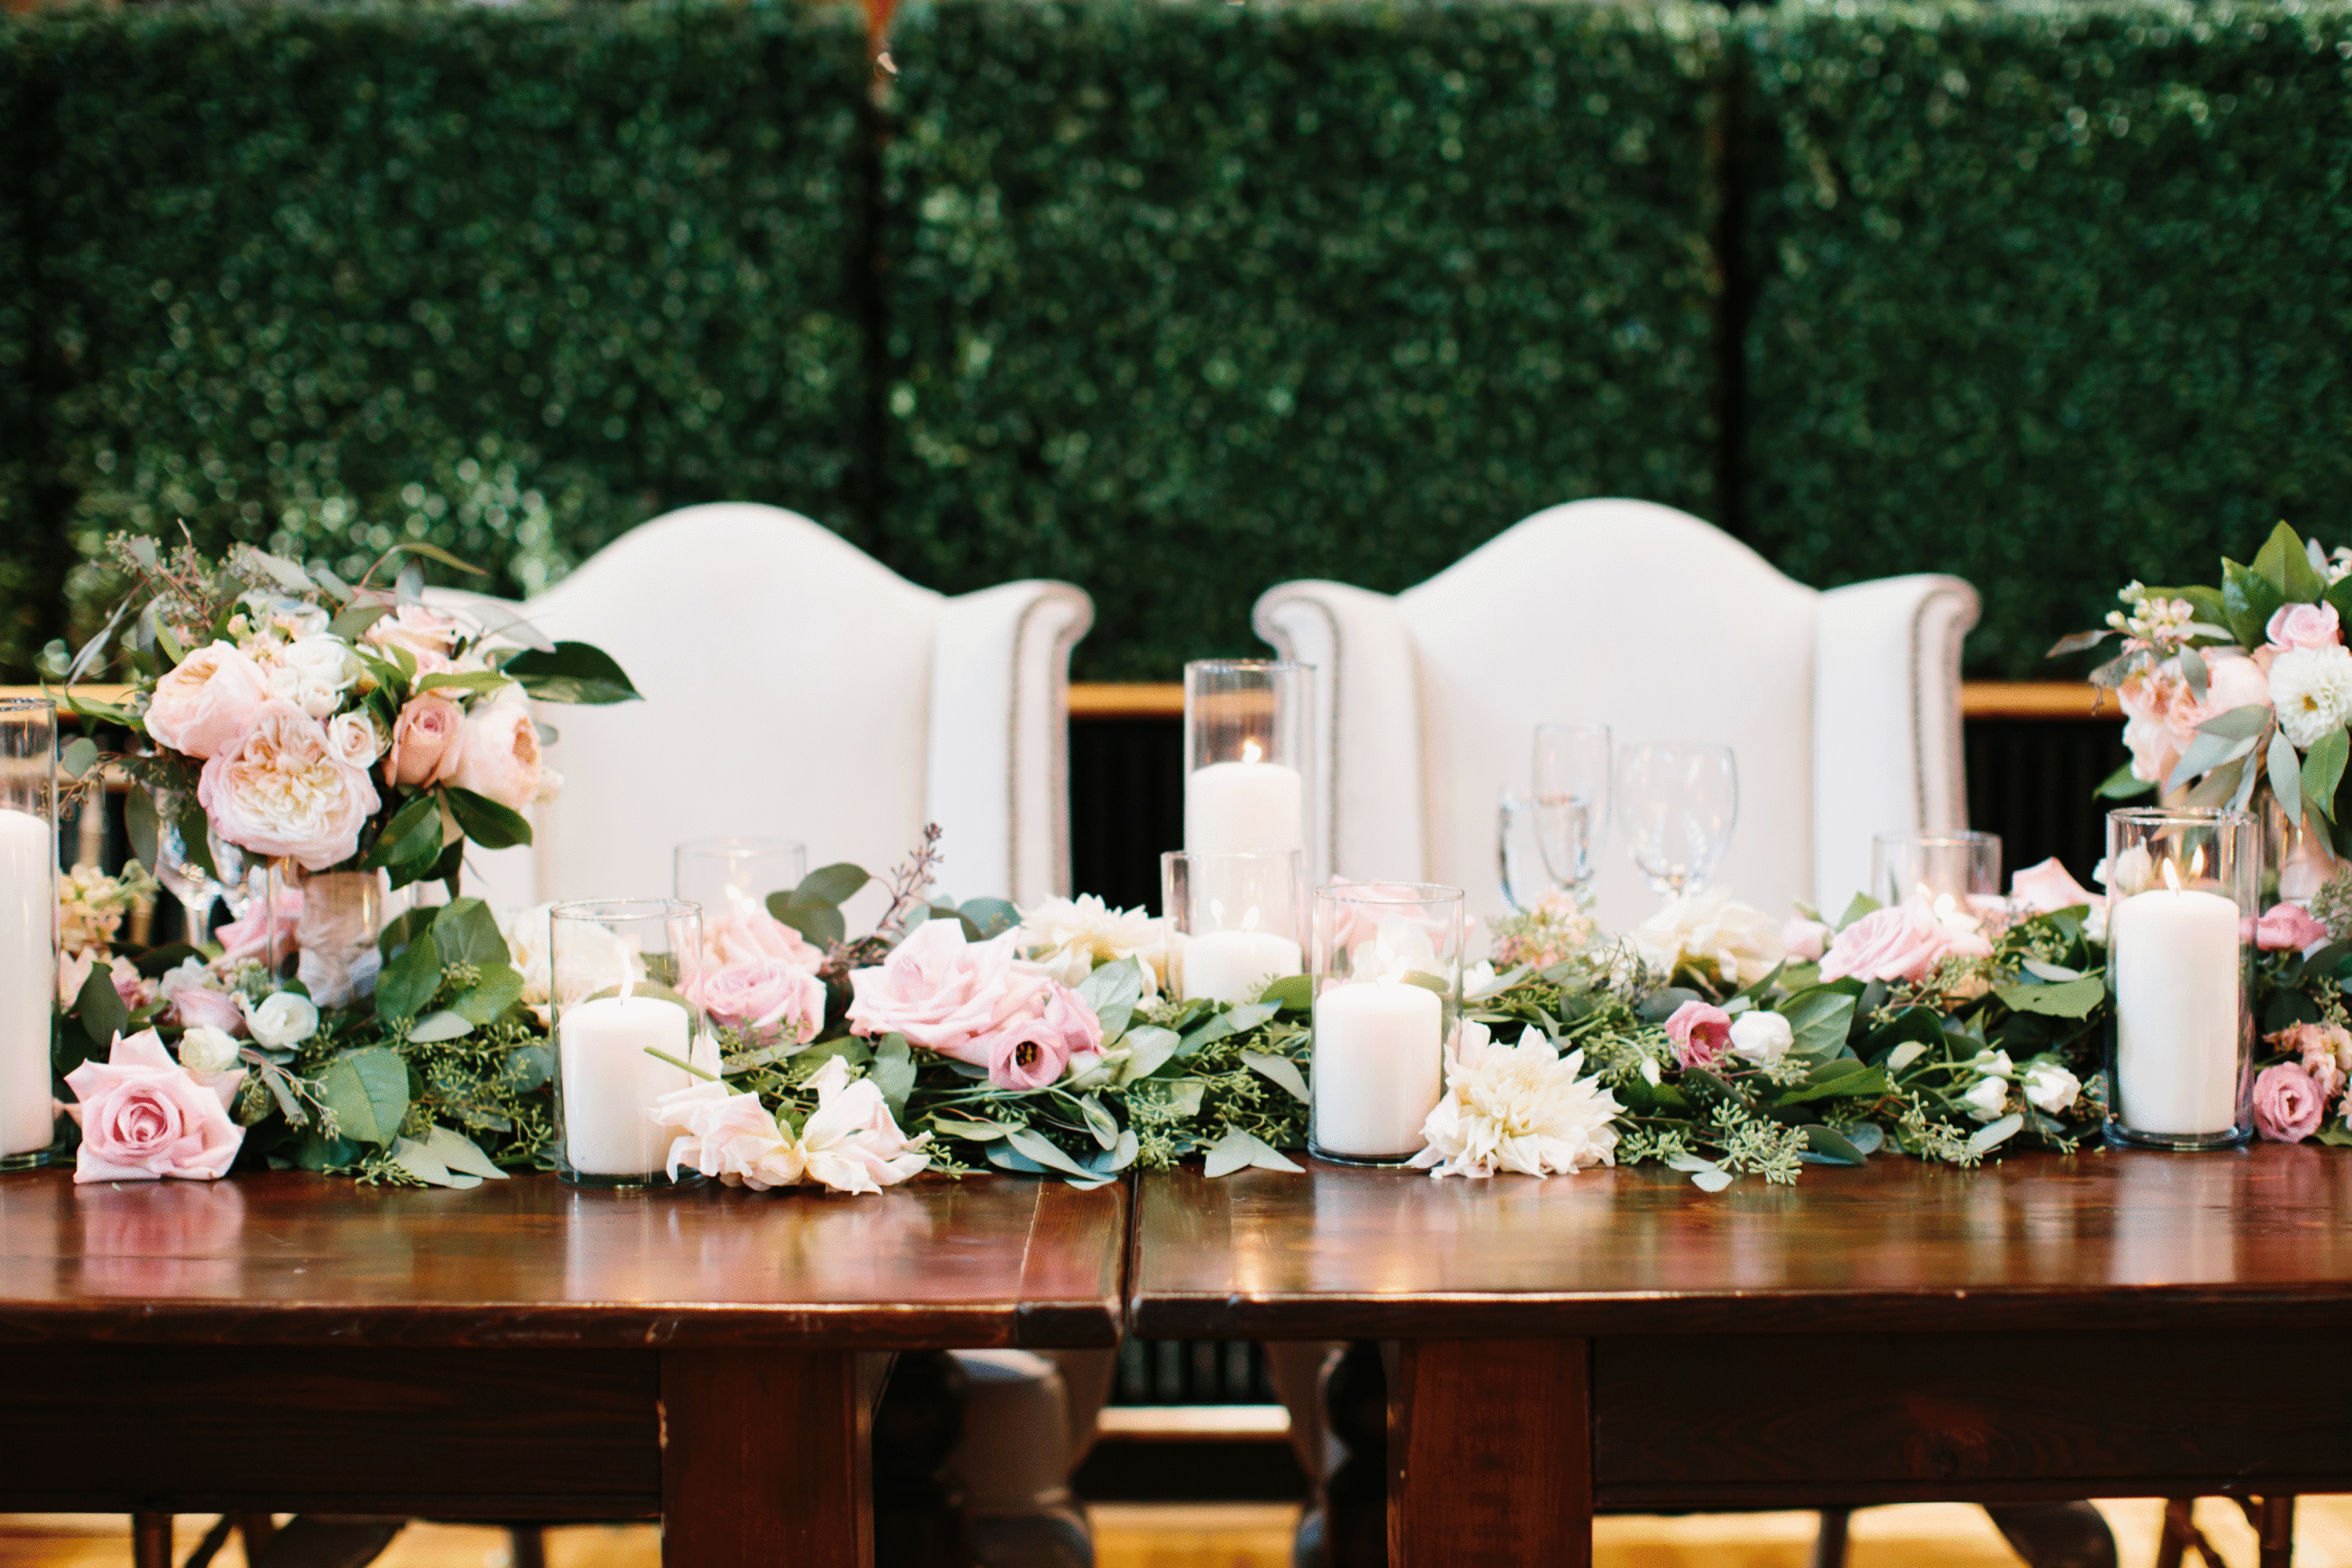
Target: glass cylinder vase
<point x="1248" y="729"/>
<point x="730" y="876"/>
<point x="1236" y="921"/>
<point x="624" y="976"/>
<point x="1388" y="990"/>
<point x="28" y="919"/>
<point x="329" y="942"/>
<point x="2184" y="887"/>
<point x="1960" y="864"/>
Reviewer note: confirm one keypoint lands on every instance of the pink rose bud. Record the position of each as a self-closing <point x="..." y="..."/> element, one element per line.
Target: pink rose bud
<point x="425" y="746"/>
<point x="2304" y="626"/>
<point x="2285" y="927"/>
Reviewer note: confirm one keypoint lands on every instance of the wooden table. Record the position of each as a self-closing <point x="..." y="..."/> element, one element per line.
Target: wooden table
<point x="2113" y="1324"/>
<point x="522" y="1351"/>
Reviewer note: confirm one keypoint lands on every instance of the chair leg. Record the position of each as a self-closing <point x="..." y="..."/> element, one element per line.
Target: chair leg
<point x="2057" y="1534"/>
<point x="2180" y="1533"/>
<point x="151" y="1540"/>
<point x="528" y="1546"/>
<point x="255" y="1530"/>
<point x="2277" y="1531"/>
<point x="1829" y="1543"/>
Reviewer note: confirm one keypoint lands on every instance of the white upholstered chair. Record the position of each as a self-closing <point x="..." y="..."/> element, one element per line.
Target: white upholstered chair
<point x="796" y="687"/>
<point x="1842" y="707"/>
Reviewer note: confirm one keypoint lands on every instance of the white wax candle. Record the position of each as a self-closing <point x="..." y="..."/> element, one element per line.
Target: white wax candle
<point x="1234" y="965"/>
<point x="29" y="980"/>
<point x="1235" y="807"/>
<point x="2176" y="960"/>
<point x="610" y="1084"/>
<point x="1380" y="1050"/>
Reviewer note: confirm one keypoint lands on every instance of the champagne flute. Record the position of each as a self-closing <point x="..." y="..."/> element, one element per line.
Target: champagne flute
<point x="1678" y="801"/>
<point x="1571" y="771"/>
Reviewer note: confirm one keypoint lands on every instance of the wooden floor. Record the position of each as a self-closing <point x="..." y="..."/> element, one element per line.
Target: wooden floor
<point x="1935" y="1535"/>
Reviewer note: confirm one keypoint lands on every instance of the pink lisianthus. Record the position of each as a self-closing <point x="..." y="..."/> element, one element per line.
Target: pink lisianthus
<point x="943" y="992"/>
<point x="206" y="703"/>
<point x="748" y="933"/>
<point x="1903" y="941"/>
<point x="1701" y="1033"/>
<point x="144" y="1117"/>
<point x="2288" y="1106"/>
<point x="1038" y="1046"/>
<point x="269" y="924"/>
<point x="280" y="790"/>
<point x="2047" y="888"/>
<point x="2304" y="626"/>
<point x="500" y="758"/>
<point x="2285" y="927"/>
<point x="2163" y="714"/>
<point x="762" y="993"/>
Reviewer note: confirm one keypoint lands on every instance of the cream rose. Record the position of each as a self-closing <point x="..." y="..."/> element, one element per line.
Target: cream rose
<point x="499" y="755"/>
<point x="1727" y="942"/>
<point x="416" y="627"/>
<point x="313" y="674"/>
<point x="207" y="701"/>
<point x="282" y="792"/>
<point x="427" y="740"/>
<point x="354" y="738"/>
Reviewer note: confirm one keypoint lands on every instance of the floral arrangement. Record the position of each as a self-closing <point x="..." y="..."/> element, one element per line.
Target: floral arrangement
<point x="2242" y="689"/>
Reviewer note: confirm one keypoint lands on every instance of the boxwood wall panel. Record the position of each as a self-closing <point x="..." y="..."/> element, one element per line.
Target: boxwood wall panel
<point x="2057" y="299"/>
<point x="1186" y="299"/>
<point x="508" y="279"/>
<point x="20" y="538"/>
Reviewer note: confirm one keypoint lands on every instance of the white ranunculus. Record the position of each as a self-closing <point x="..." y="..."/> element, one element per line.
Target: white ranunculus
<point x="313" y="674"/>
<point x="2049" y="1086"/>
<point x="205" y="1050"/>
<point x="2311" y="689"/>
<point x="1762" y="1038"/>
<point x="594" y="959"/>
<point x="1711" y="933"/>
<point x="1985" y="1097"/>
<point x="1518" y="1107"/>
<point x="282" y="1021"/>
<point x="1071" y="936"/>
<point x="356" y="738"/>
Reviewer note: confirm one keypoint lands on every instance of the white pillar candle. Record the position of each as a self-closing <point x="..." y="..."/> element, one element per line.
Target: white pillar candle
<point x="1234" y="965"/>
<point x="1378" y="1067"/>
<point x="1250" y="804"/>
<point x="29" y="980"/>
<point x="2176" y="959"/>
<point x="610" y="1084"/>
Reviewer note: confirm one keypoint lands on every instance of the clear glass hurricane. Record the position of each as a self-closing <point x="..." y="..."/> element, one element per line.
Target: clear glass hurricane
<point x="1676" y="802"/>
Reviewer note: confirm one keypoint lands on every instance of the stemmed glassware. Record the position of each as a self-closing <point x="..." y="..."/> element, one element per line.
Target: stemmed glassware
<point x="1533" y="841"/>
<point x="188" y="882"/>
<point x="1572" y="797"/>
<point x="1677" y="801"/>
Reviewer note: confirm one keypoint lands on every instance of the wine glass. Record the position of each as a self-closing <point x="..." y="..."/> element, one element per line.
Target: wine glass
<point x="1532" y="840"/>
<point x="1572" y="771"/>
<point x="1678" y="800"/>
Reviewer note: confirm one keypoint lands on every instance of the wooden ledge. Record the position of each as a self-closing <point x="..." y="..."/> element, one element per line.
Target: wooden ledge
<point x="1979" y="699"/>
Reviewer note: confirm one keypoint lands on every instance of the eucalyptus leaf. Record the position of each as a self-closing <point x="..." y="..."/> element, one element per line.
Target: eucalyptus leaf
<point x="1042" y="1149"/>
<point x="1099" y="1121"/>
<point x="1711" y="1181"/>
<point x="1829" y="1145"/>
<point x="498" y="988"/>
<point x="367" y="1090"/>
<point x="1149" y="1048"/>
<point x="196" y="836"/>
<point x="1819" y="1021"/>
<point x="990" y="917"/>
<point x="2122" y="784"/>
<point x="893" y="1071"/>
<point x="1993" y="1134"/>
<point x="1116" y="985"/>
<point x="2067" y="999"/>
<point x="1281" y="1070"/>
<point x="419" y="1161"/>
<point x="444" y="1024"/>
<point x="2285" y="771"/>
<point x="1004" y="1157"/>
<point x="413" y="832"/>
<point x="1903" y="1055"/>
<point x="1292" y="993"/>
<point x="435" y="553"/>
<point x="78" y="756"/>
<point x="834" y="885"/>
<point x="1240" y="1148"/>
<point x="975" y="1129"/>
<point x="2051" y="972"/>
<point x="2248" y="601"/>
<point x="2192" y="667"/>
<point x="352" y="622"/>
<point x="1117" y="1157"/>
<point x="2323" y="770"/>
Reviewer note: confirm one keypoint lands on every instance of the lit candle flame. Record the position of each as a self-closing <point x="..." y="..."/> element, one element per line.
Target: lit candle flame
<point x="2196" y="861"/>
<point x="2172" y="875"/>
<point x="1252" y="751"/>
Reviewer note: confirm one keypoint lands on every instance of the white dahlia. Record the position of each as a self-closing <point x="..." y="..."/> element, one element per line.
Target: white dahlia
<point x="1518" y="1107"/>
<point x="1713" y="934"/>
<point x="1070" y="936"/>
<point x="2311" y="688"/>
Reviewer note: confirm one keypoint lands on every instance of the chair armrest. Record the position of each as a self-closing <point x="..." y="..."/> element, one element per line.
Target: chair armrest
<point x="1364" y="799"/>
<point x="1886" y="720"/>
<point x="998" y="777"/>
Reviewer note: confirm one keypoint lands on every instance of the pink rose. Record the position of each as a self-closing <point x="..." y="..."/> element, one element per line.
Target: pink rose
<point x="2162" y="715"/>
<point x="256" y="934"/>
<point x="144" y="1117"/>
<point x="501" y="760"/>
<point x="2304" y="626"/>
<point x="2288" y="1107"/>
<point x="2048" y="888"/>
<point x="1804" y="939"/>
<point x="752" y="932"/>
<point x="762" y="993"/>
<point x="194" y="1005"/>
<point x="426" y="742"/>
<point x="1701" y="1033"/>
<point x="1035" y="1048"/>
<point x="1903" y="941"/>
<point x="134" y="988"/>
<point x="2287" y="926"/>
<point x="943" y="992"/>
<point x="204" y="706"/>
<point x="281" y="790"/>
<point x="420" y="630"/>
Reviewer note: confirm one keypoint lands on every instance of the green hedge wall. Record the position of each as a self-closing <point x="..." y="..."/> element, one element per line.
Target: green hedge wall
<point x="1188" y="299"/>
<point x="511" y="279"/>
<point x="20" y="540"/>
<point x="2057" y="299"/>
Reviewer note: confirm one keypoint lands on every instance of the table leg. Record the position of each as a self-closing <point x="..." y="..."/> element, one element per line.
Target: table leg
<point x="764" y="1461"/>
<point x="151" y="1540"/>
<point x="1490" y="1453"/>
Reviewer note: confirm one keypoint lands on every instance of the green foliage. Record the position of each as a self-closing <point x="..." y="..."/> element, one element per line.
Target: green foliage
<point x="1187" y="299"/>
<point x="508" y="281"/>
<point x="2054" y="296"/>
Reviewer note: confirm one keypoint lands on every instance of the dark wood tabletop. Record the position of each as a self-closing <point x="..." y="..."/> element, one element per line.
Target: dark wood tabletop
<point x="2100" y="1240"/>
<point x="293" y="1258"/>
